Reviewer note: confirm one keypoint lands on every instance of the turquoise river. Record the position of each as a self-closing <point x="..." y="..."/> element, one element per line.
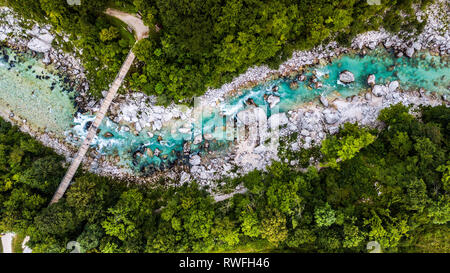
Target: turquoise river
<point x="46" y="101"/>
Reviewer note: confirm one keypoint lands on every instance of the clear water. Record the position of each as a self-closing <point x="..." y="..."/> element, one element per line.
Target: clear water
<point x="53" y="108"/>
<point x="35" y="93"/>
<point x="424" y="70"/>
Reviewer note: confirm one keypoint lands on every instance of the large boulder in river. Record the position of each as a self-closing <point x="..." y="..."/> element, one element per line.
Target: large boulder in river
<point x="346" y="77"/>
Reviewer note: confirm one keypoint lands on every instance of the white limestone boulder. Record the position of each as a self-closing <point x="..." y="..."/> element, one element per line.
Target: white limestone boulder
<point x="195" y="160"/>
<point x="379" y="90"/>
<point x="393" y="86"/>
<point x="346" y="77"/>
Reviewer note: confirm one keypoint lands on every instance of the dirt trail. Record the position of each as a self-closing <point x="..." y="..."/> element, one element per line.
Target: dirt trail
<point x="141" y="31"/>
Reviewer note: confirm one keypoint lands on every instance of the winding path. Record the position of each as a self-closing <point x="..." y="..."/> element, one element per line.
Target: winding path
<point x="141" y="32"/>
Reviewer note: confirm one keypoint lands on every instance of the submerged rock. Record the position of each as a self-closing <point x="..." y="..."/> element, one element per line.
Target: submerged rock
<point x="391" y="67"/>
<point x="301" y="78"/>
<point x="108" y="135"/>
<point x="137" y="154"/>
<point x="149" y="152"/>
<point x="346" y="77"/>
<point x="250" y="101"/>
<point x="293" y="85"/>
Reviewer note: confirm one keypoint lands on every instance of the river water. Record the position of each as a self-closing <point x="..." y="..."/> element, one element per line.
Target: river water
<point x="35" y="93"/>
<point x="47" y="103"/>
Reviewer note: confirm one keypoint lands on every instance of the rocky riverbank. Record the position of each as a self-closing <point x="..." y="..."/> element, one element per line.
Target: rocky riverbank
<point x="313" y="121"/>
<point x="40" y="39"/>
<point x="40" y="42"/>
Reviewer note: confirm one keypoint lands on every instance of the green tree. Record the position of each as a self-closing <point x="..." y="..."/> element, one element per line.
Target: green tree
<point x="324" y="215"/>
<point x="109" y="34"/>
<point x="349" y="141"/>
<point x="273" y="227"/>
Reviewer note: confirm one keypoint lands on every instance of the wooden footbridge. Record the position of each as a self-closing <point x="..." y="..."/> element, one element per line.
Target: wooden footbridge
<point x="141" y="32"/>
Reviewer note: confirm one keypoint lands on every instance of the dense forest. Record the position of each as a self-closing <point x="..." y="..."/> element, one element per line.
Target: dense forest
<point x="205" y="43"/>
<point x="389" y="185"/>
